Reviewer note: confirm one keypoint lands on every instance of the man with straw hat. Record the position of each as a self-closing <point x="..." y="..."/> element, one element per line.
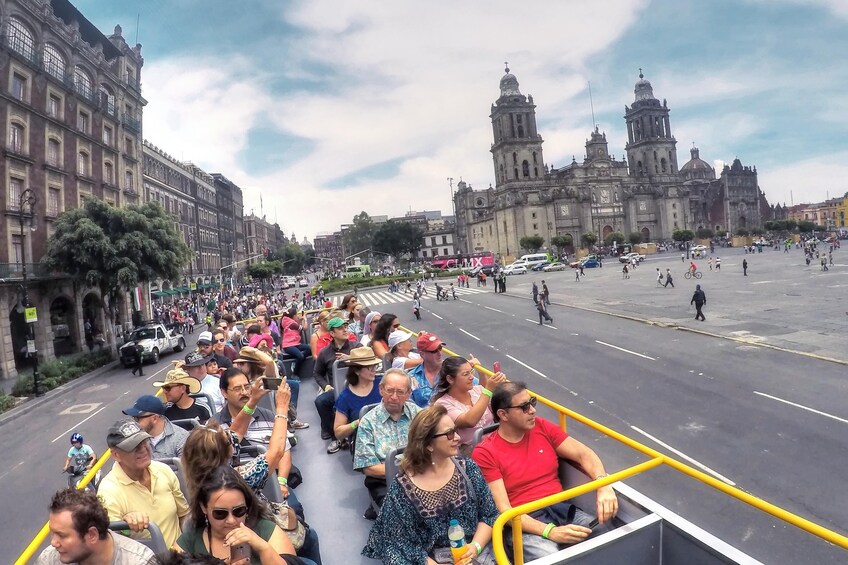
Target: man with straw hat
<point x="176" y="388"/>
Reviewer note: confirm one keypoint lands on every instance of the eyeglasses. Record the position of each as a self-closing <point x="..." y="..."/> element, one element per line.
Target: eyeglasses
<point x="242" y="388"/>
<point x="222" y="340"/>
<point x="525" y="406"/>
<point x="141" y="417"/>
<point x="395" y="392"/>
<point x="449" y="435"/>
<point x="222" y="513"/>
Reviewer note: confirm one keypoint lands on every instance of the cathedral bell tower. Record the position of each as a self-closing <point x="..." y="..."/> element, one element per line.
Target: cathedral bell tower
<point x="651" y="149"/>
<point x="517" y="150"/>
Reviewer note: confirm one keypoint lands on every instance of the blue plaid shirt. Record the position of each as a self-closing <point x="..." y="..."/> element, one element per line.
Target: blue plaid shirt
<point x="378" y="434"/>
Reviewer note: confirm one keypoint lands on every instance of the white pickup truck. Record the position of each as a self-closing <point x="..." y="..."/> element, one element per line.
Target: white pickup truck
<point x="155" y="340"/>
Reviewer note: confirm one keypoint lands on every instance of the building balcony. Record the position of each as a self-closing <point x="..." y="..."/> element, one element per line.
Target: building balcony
<point x="15" y="272"/>
<point x="131" y="123"/>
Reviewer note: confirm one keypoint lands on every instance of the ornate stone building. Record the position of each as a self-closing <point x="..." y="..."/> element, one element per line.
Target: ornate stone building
<point x="645" y="192"/>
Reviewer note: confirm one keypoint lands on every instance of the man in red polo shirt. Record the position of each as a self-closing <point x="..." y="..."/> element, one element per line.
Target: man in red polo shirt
<point x="520" y="461"/>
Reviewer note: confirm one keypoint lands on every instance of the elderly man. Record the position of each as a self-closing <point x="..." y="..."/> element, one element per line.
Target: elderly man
<point x="425" y="375"/>
<point x="139" y="490"/>
<point x="383" y="429"/>
<point x="79" y="533"/>
<point x="195" y="366"/>
<point x="339" y="348"/>
<point x="520" y="461"/>
<point x="167" y="440"/>
<point x="177" y="388"/>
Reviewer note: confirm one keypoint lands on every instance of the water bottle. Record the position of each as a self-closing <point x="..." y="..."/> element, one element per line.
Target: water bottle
<point x="457" y="541"/>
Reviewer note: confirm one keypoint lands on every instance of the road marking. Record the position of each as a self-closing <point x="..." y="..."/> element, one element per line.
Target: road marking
<point x="169" y="367"/>
<point x="12" y="469"/>
<point x="802" y="407"/>
<point x="63" y="434"/>
<point x="703" y="467"/>
<point x="80" y="408"/>
<point x="494" y="309"/>
<point x="466" y="301"/>
<point x="625" y="350"/>
<point x="436" y="315"/>
<point x="546" y="325"/>
<point x="468" y="334"/>
<point x="526" y="366"/>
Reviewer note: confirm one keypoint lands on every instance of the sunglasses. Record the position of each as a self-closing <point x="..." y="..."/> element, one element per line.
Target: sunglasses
<point x="222" y="340"/>
<point x="448" y="434"/>
<point x="222" y="513"/>
<point x="439" y="350"/>
<point x="525" y="406"/>
<point x="166" y="388"/>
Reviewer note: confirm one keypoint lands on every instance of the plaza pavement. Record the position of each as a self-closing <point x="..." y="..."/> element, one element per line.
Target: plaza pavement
<point x="782" y="302"/>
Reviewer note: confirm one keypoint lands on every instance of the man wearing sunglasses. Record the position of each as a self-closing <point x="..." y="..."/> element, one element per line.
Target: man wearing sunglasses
<point x="520" y="461"/>
<point x="425" y="375"/>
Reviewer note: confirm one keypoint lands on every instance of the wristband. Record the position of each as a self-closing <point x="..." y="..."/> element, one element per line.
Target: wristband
<point x="354" y="424"/>
<point x="280" y="416"/>
<point x="478" y="546"/>
<point x="487" y="392"/>
<point x="546" y="532"/>
<point x="283" y="481"/>
<point x="248" y="410"/>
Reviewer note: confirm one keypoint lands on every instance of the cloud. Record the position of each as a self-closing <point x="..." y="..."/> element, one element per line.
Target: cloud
<point x="810" y="180"/>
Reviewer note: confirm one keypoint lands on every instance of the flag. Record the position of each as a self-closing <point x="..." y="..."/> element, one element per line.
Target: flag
<point x="137" y="298"/>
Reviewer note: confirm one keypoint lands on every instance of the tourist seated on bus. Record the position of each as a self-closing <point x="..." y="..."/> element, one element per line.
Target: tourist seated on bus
<point x="466" y="403"/>
<point x="258" y="362"/>
<point x="380" y="338"/>
<point x="319" y="330"/>
<point x="520" y="461"/>
<point x="383" y="429"/>
<point x="363" y="388"/>
<point x="425" y="376"/>
<point x="226" y="513"/>
<point x="401" y="355"/>
<point x="371" y="320"/>
<point x="339" y="348"/>
<point x="292" y="343"/>
<point x="434" y="486"/>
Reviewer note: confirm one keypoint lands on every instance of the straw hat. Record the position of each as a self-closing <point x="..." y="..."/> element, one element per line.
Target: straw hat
<point x="363" y="357"/>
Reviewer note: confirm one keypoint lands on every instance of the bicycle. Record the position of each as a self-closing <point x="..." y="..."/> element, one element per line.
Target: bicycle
<point x="689" y="274"/>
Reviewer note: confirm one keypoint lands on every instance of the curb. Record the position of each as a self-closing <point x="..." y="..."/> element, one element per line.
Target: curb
<point x="35" y="402"/>
<point x="696" y="331"/>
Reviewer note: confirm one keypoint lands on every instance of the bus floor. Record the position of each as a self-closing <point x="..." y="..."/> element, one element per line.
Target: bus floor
<point x="333" y="495"/>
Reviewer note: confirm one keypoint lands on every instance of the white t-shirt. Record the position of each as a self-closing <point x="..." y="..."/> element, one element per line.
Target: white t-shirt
<point x="398" y="362"/>
<point x="127" y="552"/>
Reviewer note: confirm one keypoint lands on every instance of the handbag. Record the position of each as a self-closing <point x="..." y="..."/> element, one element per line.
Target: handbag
<point x="284" y="516"/>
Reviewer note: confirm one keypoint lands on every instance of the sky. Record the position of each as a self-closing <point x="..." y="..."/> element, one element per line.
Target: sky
<point x="320" y="109"/>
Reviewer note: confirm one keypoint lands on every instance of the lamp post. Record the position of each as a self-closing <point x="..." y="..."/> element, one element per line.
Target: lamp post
<point x="26" y="209"/>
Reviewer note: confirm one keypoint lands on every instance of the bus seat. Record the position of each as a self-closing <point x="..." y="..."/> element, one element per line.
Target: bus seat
<point x="338" y="376"/>
<point x="271" y="490"/>
<point x="387" y="362"/>
<point x="156" y="542"/>
<point x="480" y="433"/>
<point x="392" y="464"/>
<point x="187" y="424"/>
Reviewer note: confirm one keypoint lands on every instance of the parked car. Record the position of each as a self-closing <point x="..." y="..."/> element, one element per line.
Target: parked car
<point x="628" y="257"/>
<point x="514" y="269"/>
<point x="540" y="266"/>
<point x="576" y="263"/>
<point x="155" y="340"/>
<point x="302" y="283"/>
<point x="486" y="269"/>
<point x="591" y="262"/>
<point x="555" y="266"/>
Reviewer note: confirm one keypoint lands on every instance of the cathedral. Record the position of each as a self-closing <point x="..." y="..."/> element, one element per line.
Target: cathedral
<point x="647" y="193"/>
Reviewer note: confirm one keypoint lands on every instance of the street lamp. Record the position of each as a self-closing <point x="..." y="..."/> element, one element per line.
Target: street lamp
<point x="26" y="210"/>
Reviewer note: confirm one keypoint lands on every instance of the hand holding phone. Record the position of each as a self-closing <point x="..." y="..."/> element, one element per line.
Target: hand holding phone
<point x="239" y="552"/>
<point x="497" y="367"/>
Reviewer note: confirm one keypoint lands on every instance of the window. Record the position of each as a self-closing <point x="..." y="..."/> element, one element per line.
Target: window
<point x="19" y="86"/>
<point x="20" y="38"/>
<point x="108" y="135"/>
<point x="54" y="149"/>
<point x="17" y="248"/>
<point x="533" y="215"/>
<point x="535" y="226"/>
<point x="54" y="62"/>
<point x="128" y="181"/>
<point x="54" y="105"/>
<point x="82" y="82"/>
<point x="53" y="202"/>
<point x="16" y="188"/>
<point x="109" y="174"/>
<point x="444" y="240"/>
<point x="82" y="164"/>
<point x="83" y="121"/>
<point x="107" y="99"/>
<point x="424" y="253"/>
<point x="445" y="250"/>
<point x="525" y="169"/>
<point x="16" y="138"/>
<point x="128" y="146"/>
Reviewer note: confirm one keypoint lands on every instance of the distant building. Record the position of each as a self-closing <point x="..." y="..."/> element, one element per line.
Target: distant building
<point x="329" y="250"/>
<point x="261" y="235"/>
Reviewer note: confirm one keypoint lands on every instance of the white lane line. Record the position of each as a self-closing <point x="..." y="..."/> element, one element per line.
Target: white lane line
<point x="546" y="325"/>
<point x="166" y="367"/>
<point x="703" y="467"/>
<point x="528" y="367"/>
<point x="802" y="407"/>
<point x="63" y="434"/>
<point x="436" y="315"/>
<point x="12" y="469"/>
<point x="468" y="334"/>
<point x="624" y="350"/>
<point x="466" y="301"/>
<point x="494" y="309"/>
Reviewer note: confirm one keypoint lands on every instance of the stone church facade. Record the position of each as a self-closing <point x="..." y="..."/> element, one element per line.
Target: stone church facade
<point x="645" y="193"/>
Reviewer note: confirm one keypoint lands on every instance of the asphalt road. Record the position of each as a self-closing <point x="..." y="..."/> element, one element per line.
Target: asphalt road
<point x="772" y="423"/>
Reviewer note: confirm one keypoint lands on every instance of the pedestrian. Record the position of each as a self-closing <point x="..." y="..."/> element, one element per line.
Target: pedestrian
<point x="139" y="361"/>
<point x="711" y="263"/>
<point x="543" y="312"/>
<point x="668" y="279"/>
<point x="581" y="269"/>
<point x="659" y="277"/>
<point x="625" y="272"/>
<point x="745" y="267"/>
<point x="546" y="294"/>
<point x="453" y="291"/>
<point x="682" y="257"/>
<point x="699" y="299"/>
<point x="824" y="263"/>
<point x="577" y="274"/>
<point x="503" y="284"/>
<point x="416" y="306"/>
<point x="718" y="263"/>
<point x="535" y="293"/>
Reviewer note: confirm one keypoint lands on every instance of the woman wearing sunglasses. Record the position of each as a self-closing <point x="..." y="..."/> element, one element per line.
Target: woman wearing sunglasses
<point x="466" y="403"/>
<point x="433" y="487"/>
<point x="225" y="515"/>
<point x="380" y="337"/>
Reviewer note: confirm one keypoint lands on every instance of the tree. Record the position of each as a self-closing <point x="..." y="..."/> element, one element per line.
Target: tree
<point x="741" y="232"/>
<point x="531" y="243"/>
<point x="397" y="238"/>
<point x="791" y="224"/>
<point x="292" y="258"/>
<point x="264" y="269"/>
<point x="757" y="231"/>
<point x="634" y="237"/>
<point x="683" y="235"/>
<point x="562" y="241"/>
<point x="615" y="236"/>
<point x="705" y="233"/>
<point x="806" y="226"/>
<point x="588" y="239"/>
<point x="115" y="249"/>
<point x="360" y="234"/>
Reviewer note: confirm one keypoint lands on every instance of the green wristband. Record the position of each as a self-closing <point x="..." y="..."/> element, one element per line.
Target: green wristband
<point x="248" y="410"/>
<point x="487" y="392"/>
<point x="478" y="546"/>
<point x="547" y="530"/>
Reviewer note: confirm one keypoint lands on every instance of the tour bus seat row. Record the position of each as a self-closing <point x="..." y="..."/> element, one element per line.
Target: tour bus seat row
<point x="187" y="424"/>
<point x="338" y="376"/>
<point x="156" y="542"/>
<point x="206" y="399"/>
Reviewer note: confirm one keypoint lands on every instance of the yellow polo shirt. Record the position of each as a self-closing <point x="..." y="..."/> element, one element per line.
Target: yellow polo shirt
<point x="164" y="503"/>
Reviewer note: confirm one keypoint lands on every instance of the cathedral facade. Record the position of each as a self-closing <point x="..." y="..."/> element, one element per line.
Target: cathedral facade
<point x="645" y="193"/>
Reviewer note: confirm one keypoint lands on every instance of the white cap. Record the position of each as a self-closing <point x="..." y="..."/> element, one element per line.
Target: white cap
<point x="398" y="336"/>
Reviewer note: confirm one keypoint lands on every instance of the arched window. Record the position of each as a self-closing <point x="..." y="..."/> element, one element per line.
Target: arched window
<point x="515" y="172"/>
<point x="83" y="167"/>
<point x="54" y="152"/>
<point x="502" y="173"/>
<point x="515" y="158"/>
<point x="639" y="167"/>
<point x="525" y="168"/>
<point x="109" y="173"/>
<point x="663" y="164"/>
<point x="20" y="38"/>
<point x="16" y="137"/>
<point x="54" y="62"/>
<point x="107" y="99"/>
<point x="82" y="82"/>
<point x="534" y="158"/>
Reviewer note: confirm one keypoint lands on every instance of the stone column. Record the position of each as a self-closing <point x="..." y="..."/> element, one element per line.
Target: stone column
<point x="7" y="353"/>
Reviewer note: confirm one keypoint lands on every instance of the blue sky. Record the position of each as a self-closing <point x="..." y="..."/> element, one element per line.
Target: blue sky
<point x="326" y="108"/>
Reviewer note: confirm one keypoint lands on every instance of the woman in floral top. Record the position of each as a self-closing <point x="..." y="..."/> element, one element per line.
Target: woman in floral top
<point x="433" y="488"/>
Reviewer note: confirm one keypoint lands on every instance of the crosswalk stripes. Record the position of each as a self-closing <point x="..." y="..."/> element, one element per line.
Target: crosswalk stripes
<point x="378" y="298"/>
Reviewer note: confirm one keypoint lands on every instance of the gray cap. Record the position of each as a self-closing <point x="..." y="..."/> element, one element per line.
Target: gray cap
<point x="125" y="435"/>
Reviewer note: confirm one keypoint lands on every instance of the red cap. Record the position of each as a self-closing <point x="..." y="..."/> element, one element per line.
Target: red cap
<point x="429" y="342"/>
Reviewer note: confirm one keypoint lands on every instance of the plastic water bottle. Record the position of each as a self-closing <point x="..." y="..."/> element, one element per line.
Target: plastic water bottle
<point x="456" y="535"/>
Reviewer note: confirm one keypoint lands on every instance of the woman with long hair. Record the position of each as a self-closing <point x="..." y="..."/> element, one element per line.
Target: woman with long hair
<point x="363" y="388"/>
<point x="320" y="331"/>
<point x="380" y="337"/>
<point x="348" y="307"/>
<point x="434" y="486"/>
<point x="226" y="513"/>
<point x="466" y="403"/>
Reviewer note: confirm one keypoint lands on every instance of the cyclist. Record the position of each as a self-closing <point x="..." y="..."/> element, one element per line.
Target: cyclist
<point x="693" y="268"/>
<point x="80" y="458"/>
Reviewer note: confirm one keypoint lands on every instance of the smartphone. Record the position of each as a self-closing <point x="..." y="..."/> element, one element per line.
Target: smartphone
<point x="239" y="551"/>
<point x="593" y="523"/>
<point x="497" y="366"/>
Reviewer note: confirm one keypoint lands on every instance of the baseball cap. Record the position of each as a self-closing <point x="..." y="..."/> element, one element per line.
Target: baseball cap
<point x="398" y="336"/>
<point x="195" y="359"/>
<point x="335" y="323"/>
<point x="125" y="435"/>
<point x="146" y="404"/>
<point x="428" y="342"/>
<point x="205" y="338"/>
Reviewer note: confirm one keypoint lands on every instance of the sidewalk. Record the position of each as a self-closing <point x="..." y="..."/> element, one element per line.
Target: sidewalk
<point x="782" y="303"/>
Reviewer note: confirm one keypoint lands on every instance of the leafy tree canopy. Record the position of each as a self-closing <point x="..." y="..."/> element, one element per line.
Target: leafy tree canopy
<point x="588" y="239"/>
<point x="360" y="234"/>
<point x="264" y="269"/>
<point x="616" y="236"/>
<point x="634" y="237"/>
<point x="531" y="243"/>
<point x="562" y="241"/>
<point x="705" y="233"/>
<point x="683" y="235"/>
<point x="398" y="238"/>
<point x="741" y="232"/>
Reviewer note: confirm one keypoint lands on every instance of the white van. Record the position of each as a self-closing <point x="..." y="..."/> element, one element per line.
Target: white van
<point x="534" y="259"/>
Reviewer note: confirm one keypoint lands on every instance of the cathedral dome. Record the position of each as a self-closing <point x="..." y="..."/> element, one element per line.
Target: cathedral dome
<point x="643" y="89"/>
<point x="509" y="84"/>
<point x="697" y="168"/>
